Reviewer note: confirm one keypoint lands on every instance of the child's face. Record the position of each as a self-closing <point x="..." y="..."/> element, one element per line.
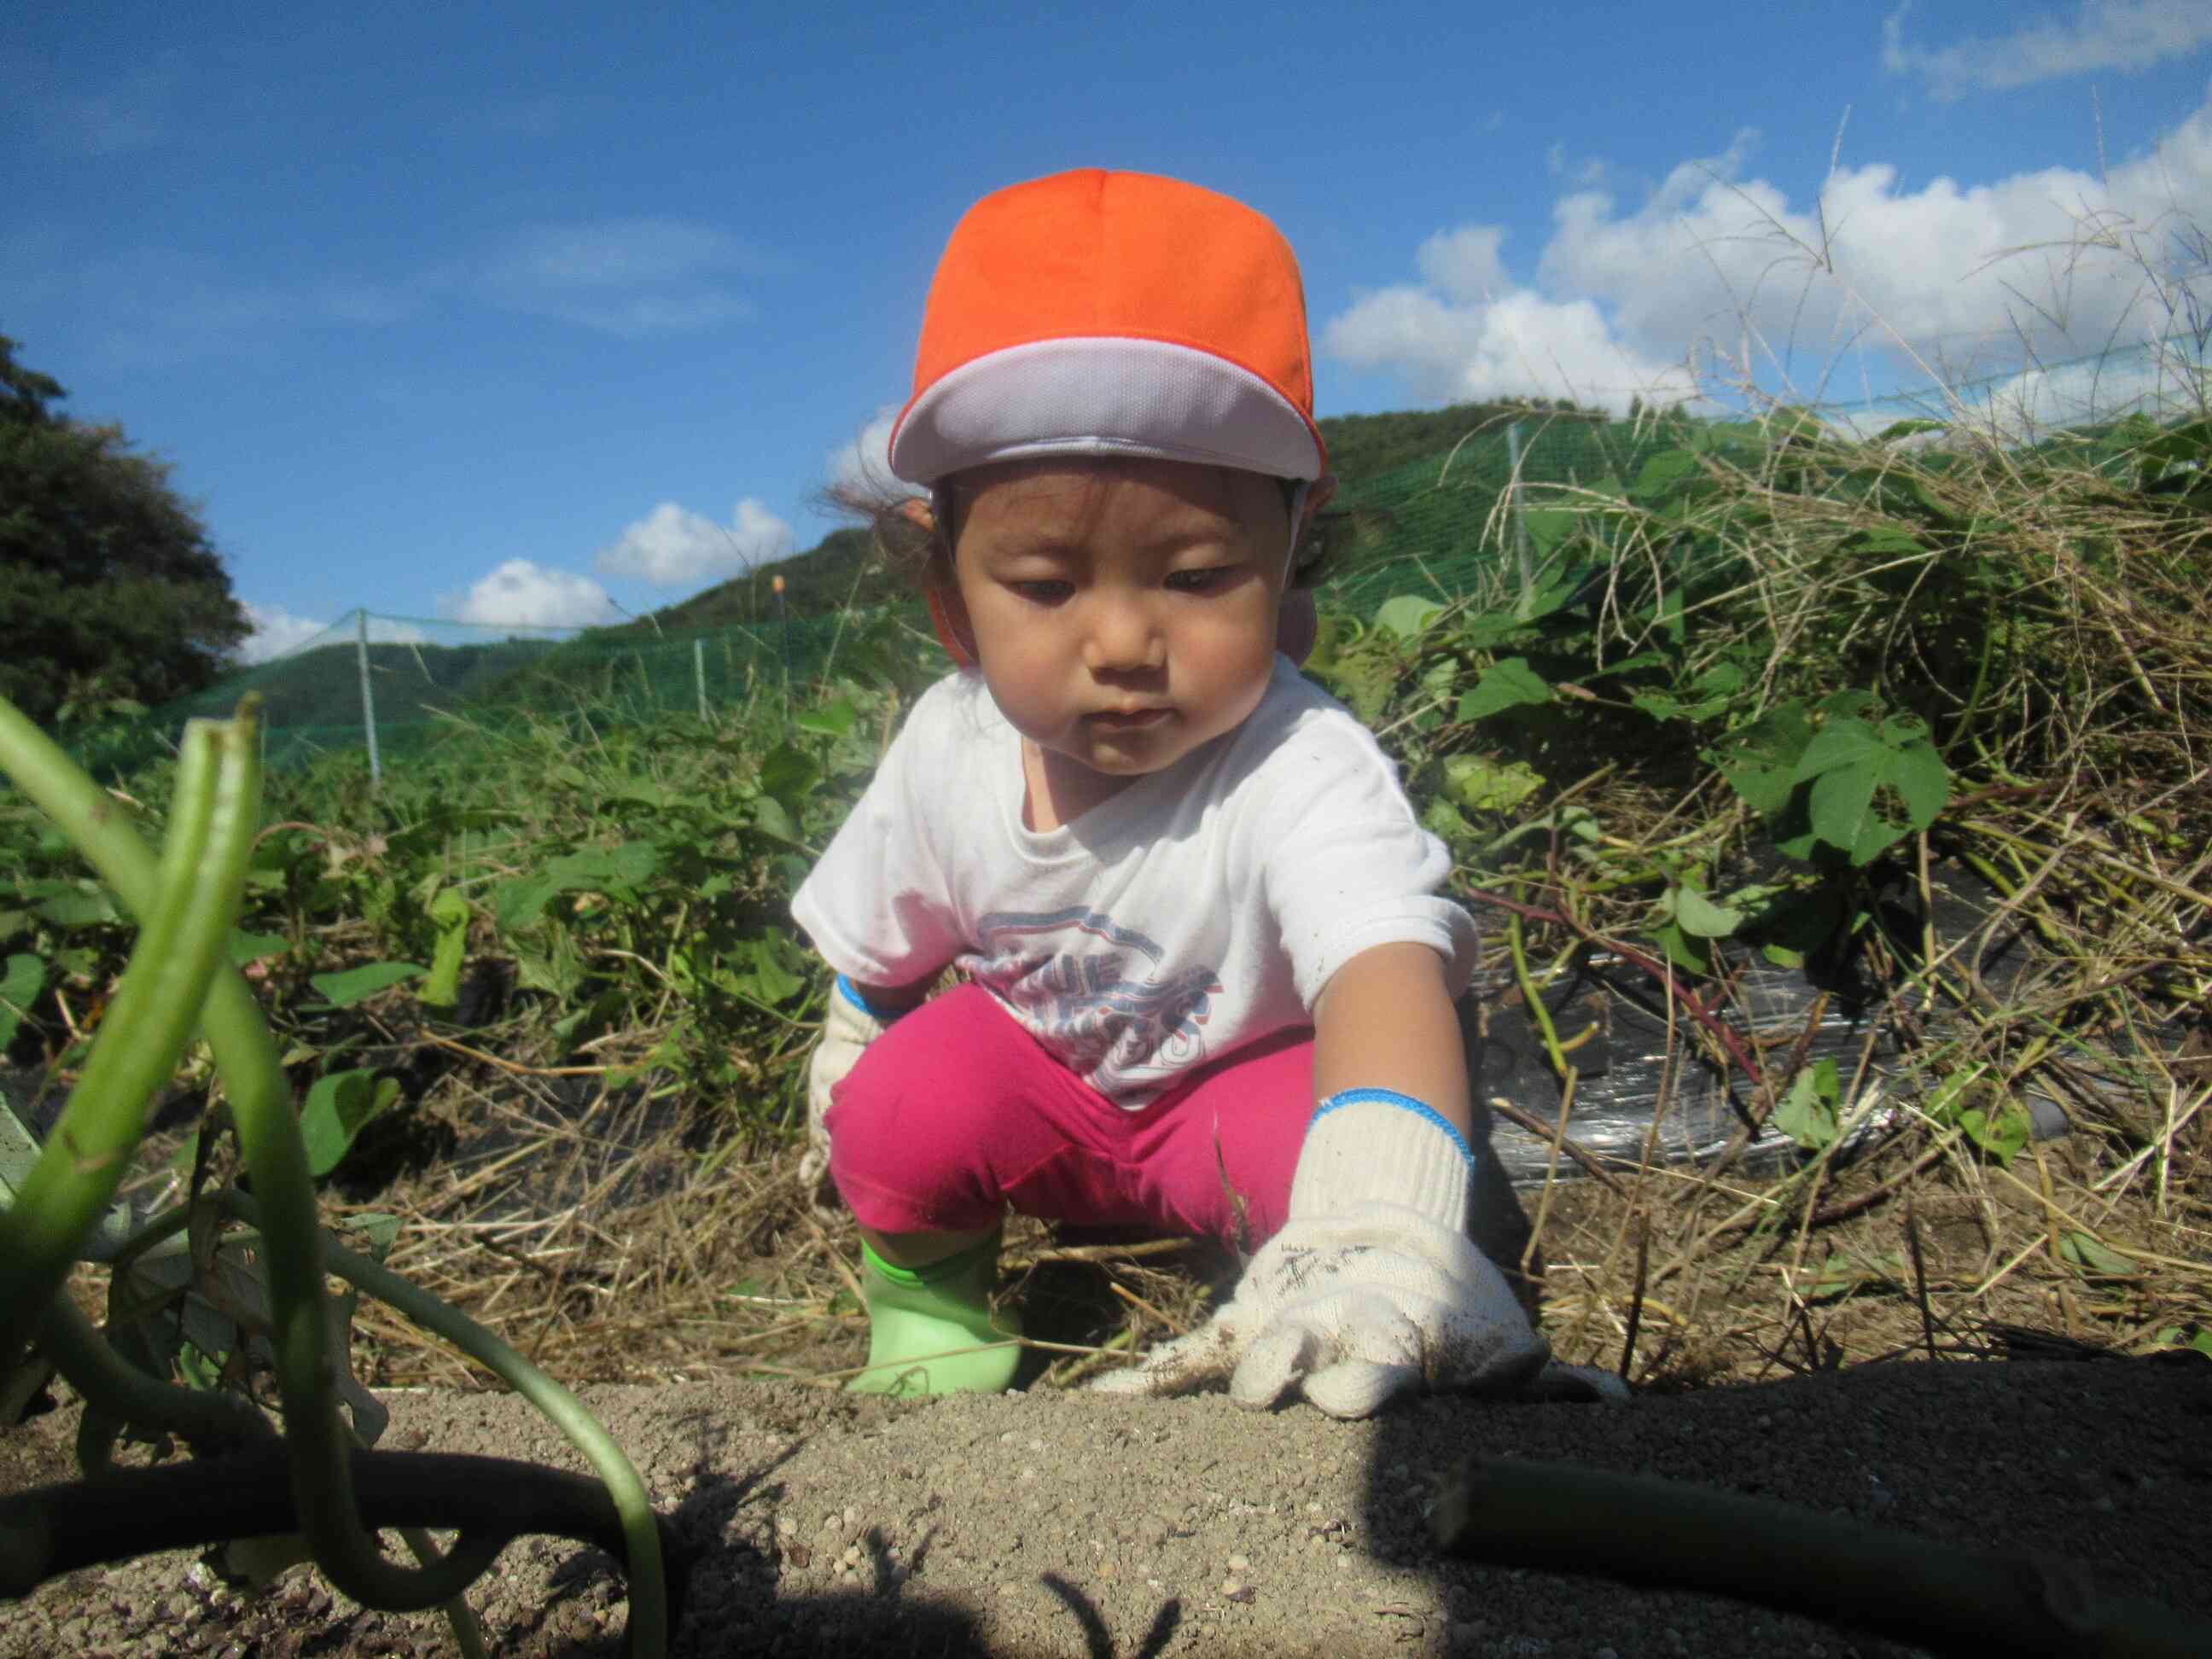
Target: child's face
<point x="1122" y="613"/>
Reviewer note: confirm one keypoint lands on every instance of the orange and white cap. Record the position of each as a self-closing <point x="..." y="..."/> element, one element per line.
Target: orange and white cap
<point x="1095" y="314"/>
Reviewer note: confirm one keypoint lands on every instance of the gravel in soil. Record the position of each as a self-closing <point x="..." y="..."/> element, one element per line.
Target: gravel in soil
<point x="1064" y="1523"/>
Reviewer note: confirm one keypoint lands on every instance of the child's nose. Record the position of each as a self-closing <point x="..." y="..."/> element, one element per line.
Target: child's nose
<point x="1122" y="637"/>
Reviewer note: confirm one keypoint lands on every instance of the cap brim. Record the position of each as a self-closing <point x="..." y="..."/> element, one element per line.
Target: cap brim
<point x="1103" y="396"/>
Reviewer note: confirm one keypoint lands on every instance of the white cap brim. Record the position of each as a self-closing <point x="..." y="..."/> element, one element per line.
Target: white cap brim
<point x="1102" y="396"/>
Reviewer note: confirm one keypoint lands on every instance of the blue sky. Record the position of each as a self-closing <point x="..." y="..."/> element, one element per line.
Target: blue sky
<point x="539" y="314"/>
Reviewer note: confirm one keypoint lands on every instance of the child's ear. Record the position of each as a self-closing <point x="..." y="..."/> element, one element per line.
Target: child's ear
<point x="1319" y="494"/>
<point x="1297" y="626"/>
<point x="917" y="511"/>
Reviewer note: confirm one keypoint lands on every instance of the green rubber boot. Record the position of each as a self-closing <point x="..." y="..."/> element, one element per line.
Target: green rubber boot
<point x="931" y="1329"/>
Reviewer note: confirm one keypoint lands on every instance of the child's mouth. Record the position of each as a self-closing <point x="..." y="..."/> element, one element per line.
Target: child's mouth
<point x="1131" y="719"/>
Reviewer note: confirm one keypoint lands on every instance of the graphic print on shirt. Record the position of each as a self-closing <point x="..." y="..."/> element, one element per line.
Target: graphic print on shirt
<point x="1089" y="989"/>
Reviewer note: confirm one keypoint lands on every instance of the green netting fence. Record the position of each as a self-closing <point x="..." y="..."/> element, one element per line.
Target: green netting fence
<point x="1456" y="522"/>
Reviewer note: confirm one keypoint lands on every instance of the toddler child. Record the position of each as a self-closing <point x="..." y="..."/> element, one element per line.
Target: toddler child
<point x="1209" y="979"/>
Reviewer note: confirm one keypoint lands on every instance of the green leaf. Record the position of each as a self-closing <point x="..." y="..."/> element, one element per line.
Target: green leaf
<point x="1848" y="761"/>
<point x="1364" y="674"/>
<point x="776" y="980"/>
<point x="1786" y="424"/>
<point x="1843" y="815"/>
<point x="1840" y="1274"/>
<point x="767" y="970"/>
<point x="21" y="979"/>
<point x="787" y="774"/>
<point x="1843" y="743"/>
<point x="1551" y="595"/>
<point x="342" y="990"/>
<point x="1661" y="473"/>
<point x="1548" y="526"/>
<point x="1683" y="949"/>
<point x="68" y="905"/>
<point x="2001" y="1134"/>
<point x="1442" y="820"/>
<point x="832" y="720"/>
<point x="249" y="948"/>
<point x="371" y="1232"/>
<point x="1796" y="924"/>
<point x="1759" y="760"/>
<point x="1700" y="917"/>
<point x="2087" y="1253"/>
<point x="769" y="814"/>
<point x="1508" y="684"/>
<point x="1917" y="772"/>
<point x="620" y="871"/>
<point x="1485" y="786"/>
<point x="1808" y="1114"/>
<point x="1408" y="616"/>
<point x="339" y="1107"/>
<point x="1906" y="429"/>
<point x="1887" y="543"/>
<point x="449" y="914"/>
<point x="635" y="792"/>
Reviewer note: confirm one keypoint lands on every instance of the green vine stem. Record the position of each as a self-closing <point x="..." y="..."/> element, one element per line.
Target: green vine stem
<point x="269" y="1137"/>
<point x="186" y="923"/>
<point x="640" y="1530"/>
<point x="208" y="1419"/>
<point x="1564" y="1518"/>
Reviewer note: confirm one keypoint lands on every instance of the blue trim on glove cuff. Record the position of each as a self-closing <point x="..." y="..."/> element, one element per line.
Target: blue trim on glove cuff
<point x="852" y="995"/>
<point x="1420" y="1109"/>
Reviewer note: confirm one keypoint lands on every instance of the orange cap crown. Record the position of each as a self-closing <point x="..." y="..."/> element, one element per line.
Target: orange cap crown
<point x="1103" y="313"/>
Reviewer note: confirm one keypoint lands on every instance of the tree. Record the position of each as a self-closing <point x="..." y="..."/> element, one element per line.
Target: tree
<point x="109" y="587"/>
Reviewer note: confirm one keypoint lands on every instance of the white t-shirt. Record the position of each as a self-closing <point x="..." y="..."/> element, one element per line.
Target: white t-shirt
<point x="1201" y="909"/>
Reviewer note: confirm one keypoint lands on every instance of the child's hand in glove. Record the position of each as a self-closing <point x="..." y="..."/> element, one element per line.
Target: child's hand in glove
<point x="1354" y="1309"/>
<point x="1372" y="1287"/>
<point x="847" y="1028"/>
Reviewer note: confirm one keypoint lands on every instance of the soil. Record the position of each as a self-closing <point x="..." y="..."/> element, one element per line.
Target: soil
<point x="1061" y="1523"/>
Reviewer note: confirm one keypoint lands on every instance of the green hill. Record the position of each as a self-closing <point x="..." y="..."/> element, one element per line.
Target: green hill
<point x="839" y="571"/>
<point x="1389" y="467"/>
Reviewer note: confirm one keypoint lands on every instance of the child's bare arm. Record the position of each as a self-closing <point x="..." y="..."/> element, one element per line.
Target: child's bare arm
<point x="1385" y="1021"/>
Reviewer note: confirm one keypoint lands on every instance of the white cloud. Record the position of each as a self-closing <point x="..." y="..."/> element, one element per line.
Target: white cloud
<point x="2157" y="378"/>
<point x="277" y="632"/>
<point x="863" y="464"/>
<point x="674" y="547"/>
<point x="630" y="277"/>
<point x="2127" y="35"/>
<point x="1718" y="260"/>
<point x="521" y="594"/>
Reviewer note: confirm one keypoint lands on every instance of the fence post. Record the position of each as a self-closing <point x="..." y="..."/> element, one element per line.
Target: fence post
<point x="699" y="673"/>
<point x="783" y="618"/>
<point x="367" y="696"/>
<point x="1520" y="513"/>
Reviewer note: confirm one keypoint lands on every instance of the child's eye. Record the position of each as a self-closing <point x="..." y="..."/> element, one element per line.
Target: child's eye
<point x="1043" y="592"/>
<point x="1199" y="581"/>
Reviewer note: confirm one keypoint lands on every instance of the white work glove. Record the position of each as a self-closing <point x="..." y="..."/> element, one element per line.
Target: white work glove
<point x="1372" y="1287"/>
<point x="848" y="1027"/>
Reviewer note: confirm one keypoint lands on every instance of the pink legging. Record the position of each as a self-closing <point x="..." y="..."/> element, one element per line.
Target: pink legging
<point x="957" y="1112"/>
